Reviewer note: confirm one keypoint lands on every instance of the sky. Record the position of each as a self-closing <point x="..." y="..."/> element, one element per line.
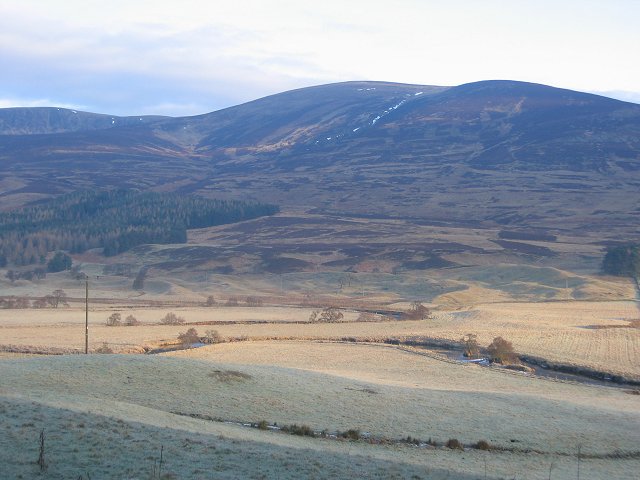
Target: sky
<point x="135" y="57"/>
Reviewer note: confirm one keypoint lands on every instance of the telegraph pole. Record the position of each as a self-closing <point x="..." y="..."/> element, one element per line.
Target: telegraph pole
<point x="86" y="314"/>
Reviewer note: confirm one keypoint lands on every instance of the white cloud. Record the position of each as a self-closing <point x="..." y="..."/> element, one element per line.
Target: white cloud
<point x="42" y="102"/>
<point x="121" y="56"/>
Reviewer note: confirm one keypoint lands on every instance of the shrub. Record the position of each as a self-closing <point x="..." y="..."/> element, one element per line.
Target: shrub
<point x="232" y="302"/>
<point x="131" y="321"/>
<point x="482" y="445"/>
<point x="454" y="444"/>
<point x="262" y="425"/>
<point x="302" y="430"/>
<point x="104" y="348"/>
<point x="114" y="320"/>
<point x="172" y="319"/>
<point x="212" y="336"/>
<point x="351" y="434"/>
<point x="412" y="441"/>
<point x="501" y="351"/>
<point x="189" y="337"/>
<point x="328" y="315"/>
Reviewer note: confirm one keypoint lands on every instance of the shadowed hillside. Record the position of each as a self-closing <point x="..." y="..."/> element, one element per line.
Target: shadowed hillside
<point x="489" y="153"/>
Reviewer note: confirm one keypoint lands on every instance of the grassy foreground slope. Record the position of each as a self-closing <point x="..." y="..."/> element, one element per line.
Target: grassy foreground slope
<point x="108" y="415"/>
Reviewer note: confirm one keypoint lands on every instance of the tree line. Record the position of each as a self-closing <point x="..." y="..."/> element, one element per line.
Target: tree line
<point x="622" y="260"/>
<point x="114" y="220"/>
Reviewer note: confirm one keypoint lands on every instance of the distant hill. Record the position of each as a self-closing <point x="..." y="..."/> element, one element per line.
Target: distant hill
<point x="45" y="120"/>
<point x="490" y="153"/>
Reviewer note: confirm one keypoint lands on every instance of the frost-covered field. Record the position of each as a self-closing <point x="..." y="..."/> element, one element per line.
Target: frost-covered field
<point x="108" y="416"/>
<point x="561" y="332"/>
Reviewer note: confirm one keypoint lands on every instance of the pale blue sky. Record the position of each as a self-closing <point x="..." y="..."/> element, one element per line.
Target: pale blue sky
<point x="129" y="57"/>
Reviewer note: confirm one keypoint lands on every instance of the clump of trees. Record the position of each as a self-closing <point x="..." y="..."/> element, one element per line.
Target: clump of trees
<point x="417" y="311"/>
<point x="114" y="220"/>
<point x="622" y="260"/>
<point x="232" y="302"/>
<point x="37" y="274"/>
<point x="189" y="337"/>
<point x="499" y="350"/>
<point x="171" y="319"/>
<point x="14" y="302"/>
<point x="59" y="263"/>
<point x="54" y="300"/>
<point x="138" y="282"/>
<point x="328" y="315"/>
<point x="253" y="301"/>
<point x="114" y="320"/>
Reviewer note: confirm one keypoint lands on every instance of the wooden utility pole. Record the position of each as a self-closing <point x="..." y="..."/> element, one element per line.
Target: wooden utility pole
<point x="86" y="315"/>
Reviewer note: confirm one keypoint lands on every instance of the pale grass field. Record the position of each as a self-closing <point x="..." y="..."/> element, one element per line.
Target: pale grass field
<point x="124" y="405"/>
<point x="152" y="315"/>
<point x="556" y="331"/>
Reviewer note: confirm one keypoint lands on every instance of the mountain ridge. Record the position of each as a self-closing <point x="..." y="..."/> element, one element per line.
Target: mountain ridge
<point x="499" y="152"/>
<point x="10" y="124"/>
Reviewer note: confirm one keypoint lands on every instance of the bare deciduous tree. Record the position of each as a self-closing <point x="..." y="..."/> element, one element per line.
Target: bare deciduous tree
<point x="253" y="301"/>
<point x="171" y="319"/>
<point x="114" y="320"/>
<point x="232" y="302"/>
<point x="189" y="337"/>
<point x="57" y="298"/>
<point x="212" y="336"/>
<point x="470" y="346"/>
<point x="501" y="351"/>
<point x="210" y="301"/>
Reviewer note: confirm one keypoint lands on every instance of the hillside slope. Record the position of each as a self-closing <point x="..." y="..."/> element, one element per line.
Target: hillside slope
<point x="492" y="152"/>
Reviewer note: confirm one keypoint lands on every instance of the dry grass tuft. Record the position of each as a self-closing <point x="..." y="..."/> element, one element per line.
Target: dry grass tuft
<point x="229" y="375"/>
<point x="482" y="445"/>
<point x="454" y="444"/>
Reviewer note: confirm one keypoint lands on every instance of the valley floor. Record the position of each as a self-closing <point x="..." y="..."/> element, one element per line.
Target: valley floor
<point x="111" y="416"/>
<point x="108" y="416"/>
